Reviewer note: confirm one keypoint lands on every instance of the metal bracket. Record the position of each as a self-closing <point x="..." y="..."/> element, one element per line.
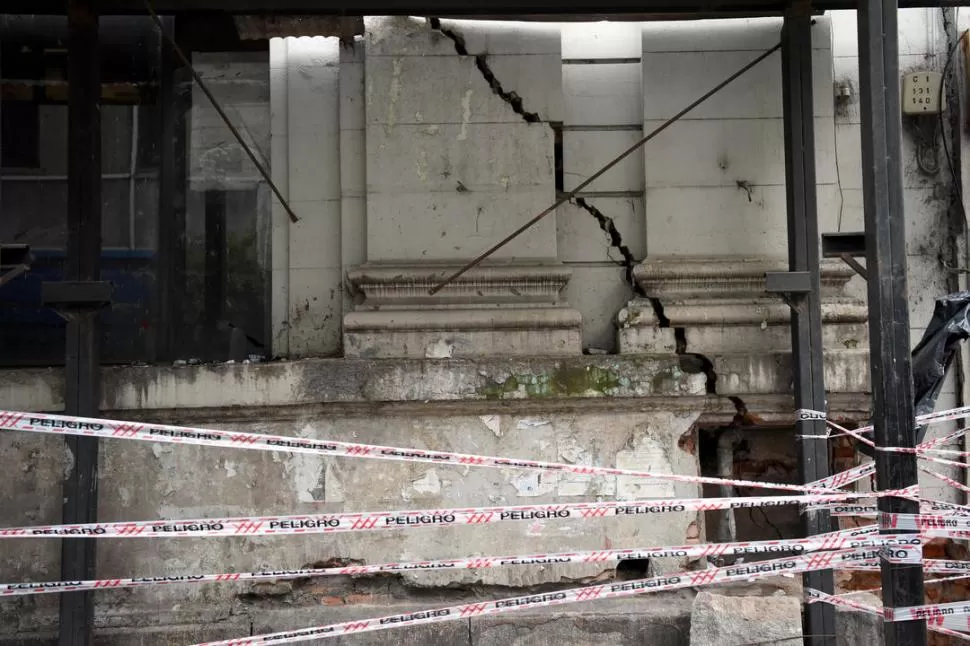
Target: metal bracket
<point x="848" y="247"/>
<point x="789" y="285"/>
<point x="788" y="282"/>
<point x="16" y="260"/>
<point x="73" y="298"/>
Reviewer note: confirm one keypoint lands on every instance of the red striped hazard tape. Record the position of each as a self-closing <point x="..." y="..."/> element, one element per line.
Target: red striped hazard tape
<point x="746" y="572"/>
<point x="408" y="519"/>
<point x="815" y="596"/>
<point x="91" y="427"/>
<point x="845" y="539"/>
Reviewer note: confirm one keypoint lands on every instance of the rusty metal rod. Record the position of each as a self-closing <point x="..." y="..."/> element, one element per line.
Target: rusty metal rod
<point x="222" y="113"/>
<point x="592" y="178"/>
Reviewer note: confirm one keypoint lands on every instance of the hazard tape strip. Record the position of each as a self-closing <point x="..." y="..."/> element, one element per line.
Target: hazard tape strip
<point x="921" y="420"/>
<point x="404" y="519"/>
<point x="935" y="522"/>
<point x="793" y="565"/>
<point x="844" y="539"/>
<point x="871" y="511"/>
<point x="815" y="596"/>
<point x="109" y="429"/>
<point x="955" y="615"/>
<point x="846" y="477"/>
<point x="950" y="481"/>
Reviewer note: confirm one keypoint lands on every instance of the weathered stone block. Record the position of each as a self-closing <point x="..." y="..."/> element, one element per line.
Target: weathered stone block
<point x="315" y="239"/>
<point x="856" y="628"/>
<point x="454" y="89"/>
<point x="653" y="619"/>
<point x="590" y="40"/>
<point x="453" y="226"/>
<point x="756" y="94"/>
<point x="717" y="620"/>
<point x="599" y="292"/>
<point x="404" y="36"/>
<point x="580" y="234"/>
<point x="459" y="158"/>
<point x="681" y="217"/>
<point x="756" y="34"/>
<point x="602" y="94"/>
<point x="586" y="152"/>
<point x="723" y="152"/>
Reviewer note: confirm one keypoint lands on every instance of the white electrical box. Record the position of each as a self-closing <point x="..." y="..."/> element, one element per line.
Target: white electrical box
<point x="921" y="92"/>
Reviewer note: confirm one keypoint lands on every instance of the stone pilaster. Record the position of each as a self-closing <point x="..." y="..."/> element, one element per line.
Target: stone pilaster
<point x="459" y="153"/>
<point x="720" y="306"/>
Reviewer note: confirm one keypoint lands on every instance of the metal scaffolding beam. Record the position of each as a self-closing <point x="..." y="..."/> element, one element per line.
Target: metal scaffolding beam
<point x="82" y="391"/>
<point x="889" y="351"/>
<point x="803" y="261"/>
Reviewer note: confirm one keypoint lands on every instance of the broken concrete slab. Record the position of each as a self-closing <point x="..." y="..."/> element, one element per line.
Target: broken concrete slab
<point x="718" y="620"/>
<point x="856" y="628"/>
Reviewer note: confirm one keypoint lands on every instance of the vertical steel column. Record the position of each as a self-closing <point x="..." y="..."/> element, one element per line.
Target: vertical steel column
<point x="82" y="396"/>
<point x="803" y="256"/>
<point x="175" y="102"/>
<point x="891" y="370"/>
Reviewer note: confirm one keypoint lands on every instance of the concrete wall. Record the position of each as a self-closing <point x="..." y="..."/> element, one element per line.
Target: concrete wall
<point x="305" y="137"/>
<point x="544" y="410"/>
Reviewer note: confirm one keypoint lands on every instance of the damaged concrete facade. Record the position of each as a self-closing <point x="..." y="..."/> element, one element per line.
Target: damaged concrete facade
<point x="627" y="328"/>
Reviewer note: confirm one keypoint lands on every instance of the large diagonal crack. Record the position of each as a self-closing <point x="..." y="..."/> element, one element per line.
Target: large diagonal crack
<point x="690" y="362"/>
<point x="629" y="261"/>
<point x="481" y="62"/>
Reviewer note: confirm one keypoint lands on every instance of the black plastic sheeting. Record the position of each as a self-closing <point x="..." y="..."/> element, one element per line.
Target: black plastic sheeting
<point x="935" y="352"/>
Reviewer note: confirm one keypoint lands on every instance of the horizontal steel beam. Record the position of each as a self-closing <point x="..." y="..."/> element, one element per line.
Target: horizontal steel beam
<point x="788" y="282"/>
<point x="835" y="245"/>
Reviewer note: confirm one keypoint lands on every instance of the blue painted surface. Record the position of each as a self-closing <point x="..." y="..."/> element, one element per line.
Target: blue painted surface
<point x="33" y="334"/>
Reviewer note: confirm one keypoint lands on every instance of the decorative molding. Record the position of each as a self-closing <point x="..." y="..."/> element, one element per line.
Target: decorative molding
<point x="492" y="310"/>
<point x="721" y="305"/>
<point x="498" y="284"/>
<point x="725" y="277"/>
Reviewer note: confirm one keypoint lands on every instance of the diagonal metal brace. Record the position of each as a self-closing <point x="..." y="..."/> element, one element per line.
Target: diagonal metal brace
<point x="790" y="286"/>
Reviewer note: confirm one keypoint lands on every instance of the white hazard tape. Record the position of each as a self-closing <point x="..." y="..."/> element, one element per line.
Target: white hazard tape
<point x="91" y="427"/>
<point x="950" y="481"/>
<point x="934" y="522"/>
<point x="405" y="519"/>
<point x="832" y="541"/>
<point x="842" y="509"/>
<point x="920" y="420"/>
<point x="871" y="511"/>
<point x="846" y="477"/>
<point x="809" y="415"/>
<point x="955" y="616"/>
<point x="815" y="596"/>
<point x="793" y="565"/>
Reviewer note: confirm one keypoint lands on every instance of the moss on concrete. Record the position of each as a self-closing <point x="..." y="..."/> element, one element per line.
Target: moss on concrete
<point x="563" y="381"/>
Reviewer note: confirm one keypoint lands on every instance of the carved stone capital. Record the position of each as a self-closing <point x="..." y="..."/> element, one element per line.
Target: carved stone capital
<point x="721" y="305"/>
<point x="492" y="310"/>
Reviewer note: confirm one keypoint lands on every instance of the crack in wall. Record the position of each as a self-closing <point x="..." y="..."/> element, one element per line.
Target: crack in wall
<point x="481" y="62"/>
<point x="629" y="261"/>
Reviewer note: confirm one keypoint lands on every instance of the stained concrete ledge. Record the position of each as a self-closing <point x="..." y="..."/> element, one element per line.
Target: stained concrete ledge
<point x="656" y="619"/>
<point x="638" y="381"/>
<point x="312" y="381"/>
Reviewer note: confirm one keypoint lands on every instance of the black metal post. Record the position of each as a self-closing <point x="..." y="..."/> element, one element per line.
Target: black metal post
<point x="891" y="370"/>
<point x="175" y="101"/>
<point x="82" y="392"/>
<point x="806" y="318"/>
